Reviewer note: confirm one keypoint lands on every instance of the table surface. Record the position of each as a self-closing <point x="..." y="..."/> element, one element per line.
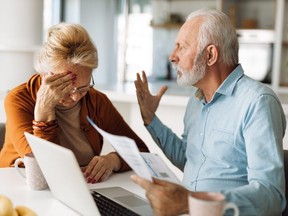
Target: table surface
<point x="43" y="203"/>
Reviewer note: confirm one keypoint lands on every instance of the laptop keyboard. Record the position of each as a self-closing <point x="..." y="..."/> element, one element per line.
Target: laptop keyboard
<point x="108" y="207"/>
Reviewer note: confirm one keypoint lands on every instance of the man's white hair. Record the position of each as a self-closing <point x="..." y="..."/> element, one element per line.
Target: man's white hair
<point x="218" y="30"/>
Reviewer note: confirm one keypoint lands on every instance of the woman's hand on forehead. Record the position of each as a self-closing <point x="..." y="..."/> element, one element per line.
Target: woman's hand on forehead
<point x="51" y="77"/>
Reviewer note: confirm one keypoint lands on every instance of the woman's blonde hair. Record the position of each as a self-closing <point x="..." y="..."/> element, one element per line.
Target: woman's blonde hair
<point x="66" y="42"/>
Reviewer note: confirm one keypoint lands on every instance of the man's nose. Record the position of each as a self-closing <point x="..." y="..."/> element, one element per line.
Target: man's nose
<point x="173" y="57"/>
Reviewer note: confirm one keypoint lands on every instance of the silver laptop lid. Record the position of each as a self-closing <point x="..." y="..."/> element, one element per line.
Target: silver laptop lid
<point x="63" y="175"/>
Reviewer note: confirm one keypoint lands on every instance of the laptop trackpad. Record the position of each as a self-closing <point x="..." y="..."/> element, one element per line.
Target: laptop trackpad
<point x="123" y="196"/>
<point x="130" y="200"/>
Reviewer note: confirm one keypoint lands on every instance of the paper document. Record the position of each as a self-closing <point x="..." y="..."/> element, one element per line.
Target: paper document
<point x="144" y="164"/>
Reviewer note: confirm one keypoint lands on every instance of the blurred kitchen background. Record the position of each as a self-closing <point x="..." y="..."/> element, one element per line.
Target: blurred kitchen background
<point x="136" y="35"/>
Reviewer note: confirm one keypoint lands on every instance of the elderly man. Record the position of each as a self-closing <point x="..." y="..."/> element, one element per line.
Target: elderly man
<point x="233" y="125"/>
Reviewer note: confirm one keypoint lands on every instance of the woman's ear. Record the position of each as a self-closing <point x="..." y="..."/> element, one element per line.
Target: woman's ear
<point x="212" y="54"/>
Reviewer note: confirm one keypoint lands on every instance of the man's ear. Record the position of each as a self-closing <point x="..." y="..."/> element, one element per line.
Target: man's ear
<point x="211" y="54"/>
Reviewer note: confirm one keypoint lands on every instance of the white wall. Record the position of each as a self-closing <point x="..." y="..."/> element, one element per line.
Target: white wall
<point x="21" y="24"/>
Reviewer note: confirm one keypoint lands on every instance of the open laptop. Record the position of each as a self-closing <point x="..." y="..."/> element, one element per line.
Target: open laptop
<point x="68" y="185"/>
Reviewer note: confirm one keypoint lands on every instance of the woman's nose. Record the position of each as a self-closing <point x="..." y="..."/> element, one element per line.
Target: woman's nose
<point x="75" y="96"/>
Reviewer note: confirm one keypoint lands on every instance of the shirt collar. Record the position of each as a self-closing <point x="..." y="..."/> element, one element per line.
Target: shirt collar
<point x="199" y="94"/>
<point x="227" y="87"/>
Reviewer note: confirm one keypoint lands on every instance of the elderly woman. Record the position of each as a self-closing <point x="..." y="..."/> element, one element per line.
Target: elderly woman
<point x="54" y="103"/>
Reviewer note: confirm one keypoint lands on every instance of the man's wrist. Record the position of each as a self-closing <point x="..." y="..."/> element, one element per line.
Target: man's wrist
<point x="148" y="121"/>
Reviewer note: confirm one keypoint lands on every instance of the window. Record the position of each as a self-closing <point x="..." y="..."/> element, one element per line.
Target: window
<point x="134" y="38"/>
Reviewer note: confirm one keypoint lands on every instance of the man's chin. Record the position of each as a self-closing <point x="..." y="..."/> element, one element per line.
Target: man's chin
<point x="182" y="82"/>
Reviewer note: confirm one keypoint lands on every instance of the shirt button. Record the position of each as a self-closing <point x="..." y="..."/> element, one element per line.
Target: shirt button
<point x="201" y="134"/>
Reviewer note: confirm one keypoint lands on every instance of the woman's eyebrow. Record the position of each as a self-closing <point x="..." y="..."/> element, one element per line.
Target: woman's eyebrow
<point x="88" y="84"/>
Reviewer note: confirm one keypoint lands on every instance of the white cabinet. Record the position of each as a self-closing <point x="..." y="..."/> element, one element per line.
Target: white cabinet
<point x="265" y="15"/>
<point x="283" y="23"/>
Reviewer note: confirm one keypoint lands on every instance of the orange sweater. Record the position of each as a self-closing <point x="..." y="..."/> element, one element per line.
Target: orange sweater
<point x="19" y="106"/>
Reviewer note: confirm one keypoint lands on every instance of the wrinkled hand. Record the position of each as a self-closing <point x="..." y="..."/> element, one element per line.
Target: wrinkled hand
<point x="54" y="87"/>
<point x="148" y="103"/>
<point x="101" y="167"/>
<point x="166" y="198"/>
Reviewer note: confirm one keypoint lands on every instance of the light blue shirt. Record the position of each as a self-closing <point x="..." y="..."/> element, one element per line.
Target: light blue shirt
<point x="233" y="145"/>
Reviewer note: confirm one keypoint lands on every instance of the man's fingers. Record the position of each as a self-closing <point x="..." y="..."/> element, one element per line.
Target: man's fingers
<point x="139" y="77"/>
<point x="162" y="182"/>
<point x="144" y="77"/>
<point x="139" y="97"/>
<point x="162" y="91"/>
<point x="139" y="84"/>
<point x="159" y="181"/>
<point x="145" y="184"/>
<point x="144" y="80"/>
<point x="138" y="92"/>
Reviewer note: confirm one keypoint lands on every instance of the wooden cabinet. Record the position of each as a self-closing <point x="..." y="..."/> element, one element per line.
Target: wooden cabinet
<point x="251" y="14"/>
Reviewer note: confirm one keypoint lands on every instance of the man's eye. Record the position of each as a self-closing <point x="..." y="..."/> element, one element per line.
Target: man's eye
<point x="182" y="47"/>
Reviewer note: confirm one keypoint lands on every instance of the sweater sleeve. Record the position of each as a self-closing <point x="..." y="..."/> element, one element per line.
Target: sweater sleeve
<point x="19" y="108"/>
<point x="19" y="116"/>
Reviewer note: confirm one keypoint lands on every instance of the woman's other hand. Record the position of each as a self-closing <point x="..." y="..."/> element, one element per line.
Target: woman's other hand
<point x="101" y="167"/>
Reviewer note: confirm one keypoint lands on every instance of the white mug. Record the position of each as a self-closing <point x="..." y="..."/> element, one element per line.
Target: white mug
<point x="209" y="204"/>
<point x="33" y="174"/>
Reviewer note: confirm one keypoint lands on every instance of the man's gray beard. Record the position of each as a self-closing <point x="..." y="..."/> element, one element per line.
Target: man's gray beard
<point x="191" y="77"/>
